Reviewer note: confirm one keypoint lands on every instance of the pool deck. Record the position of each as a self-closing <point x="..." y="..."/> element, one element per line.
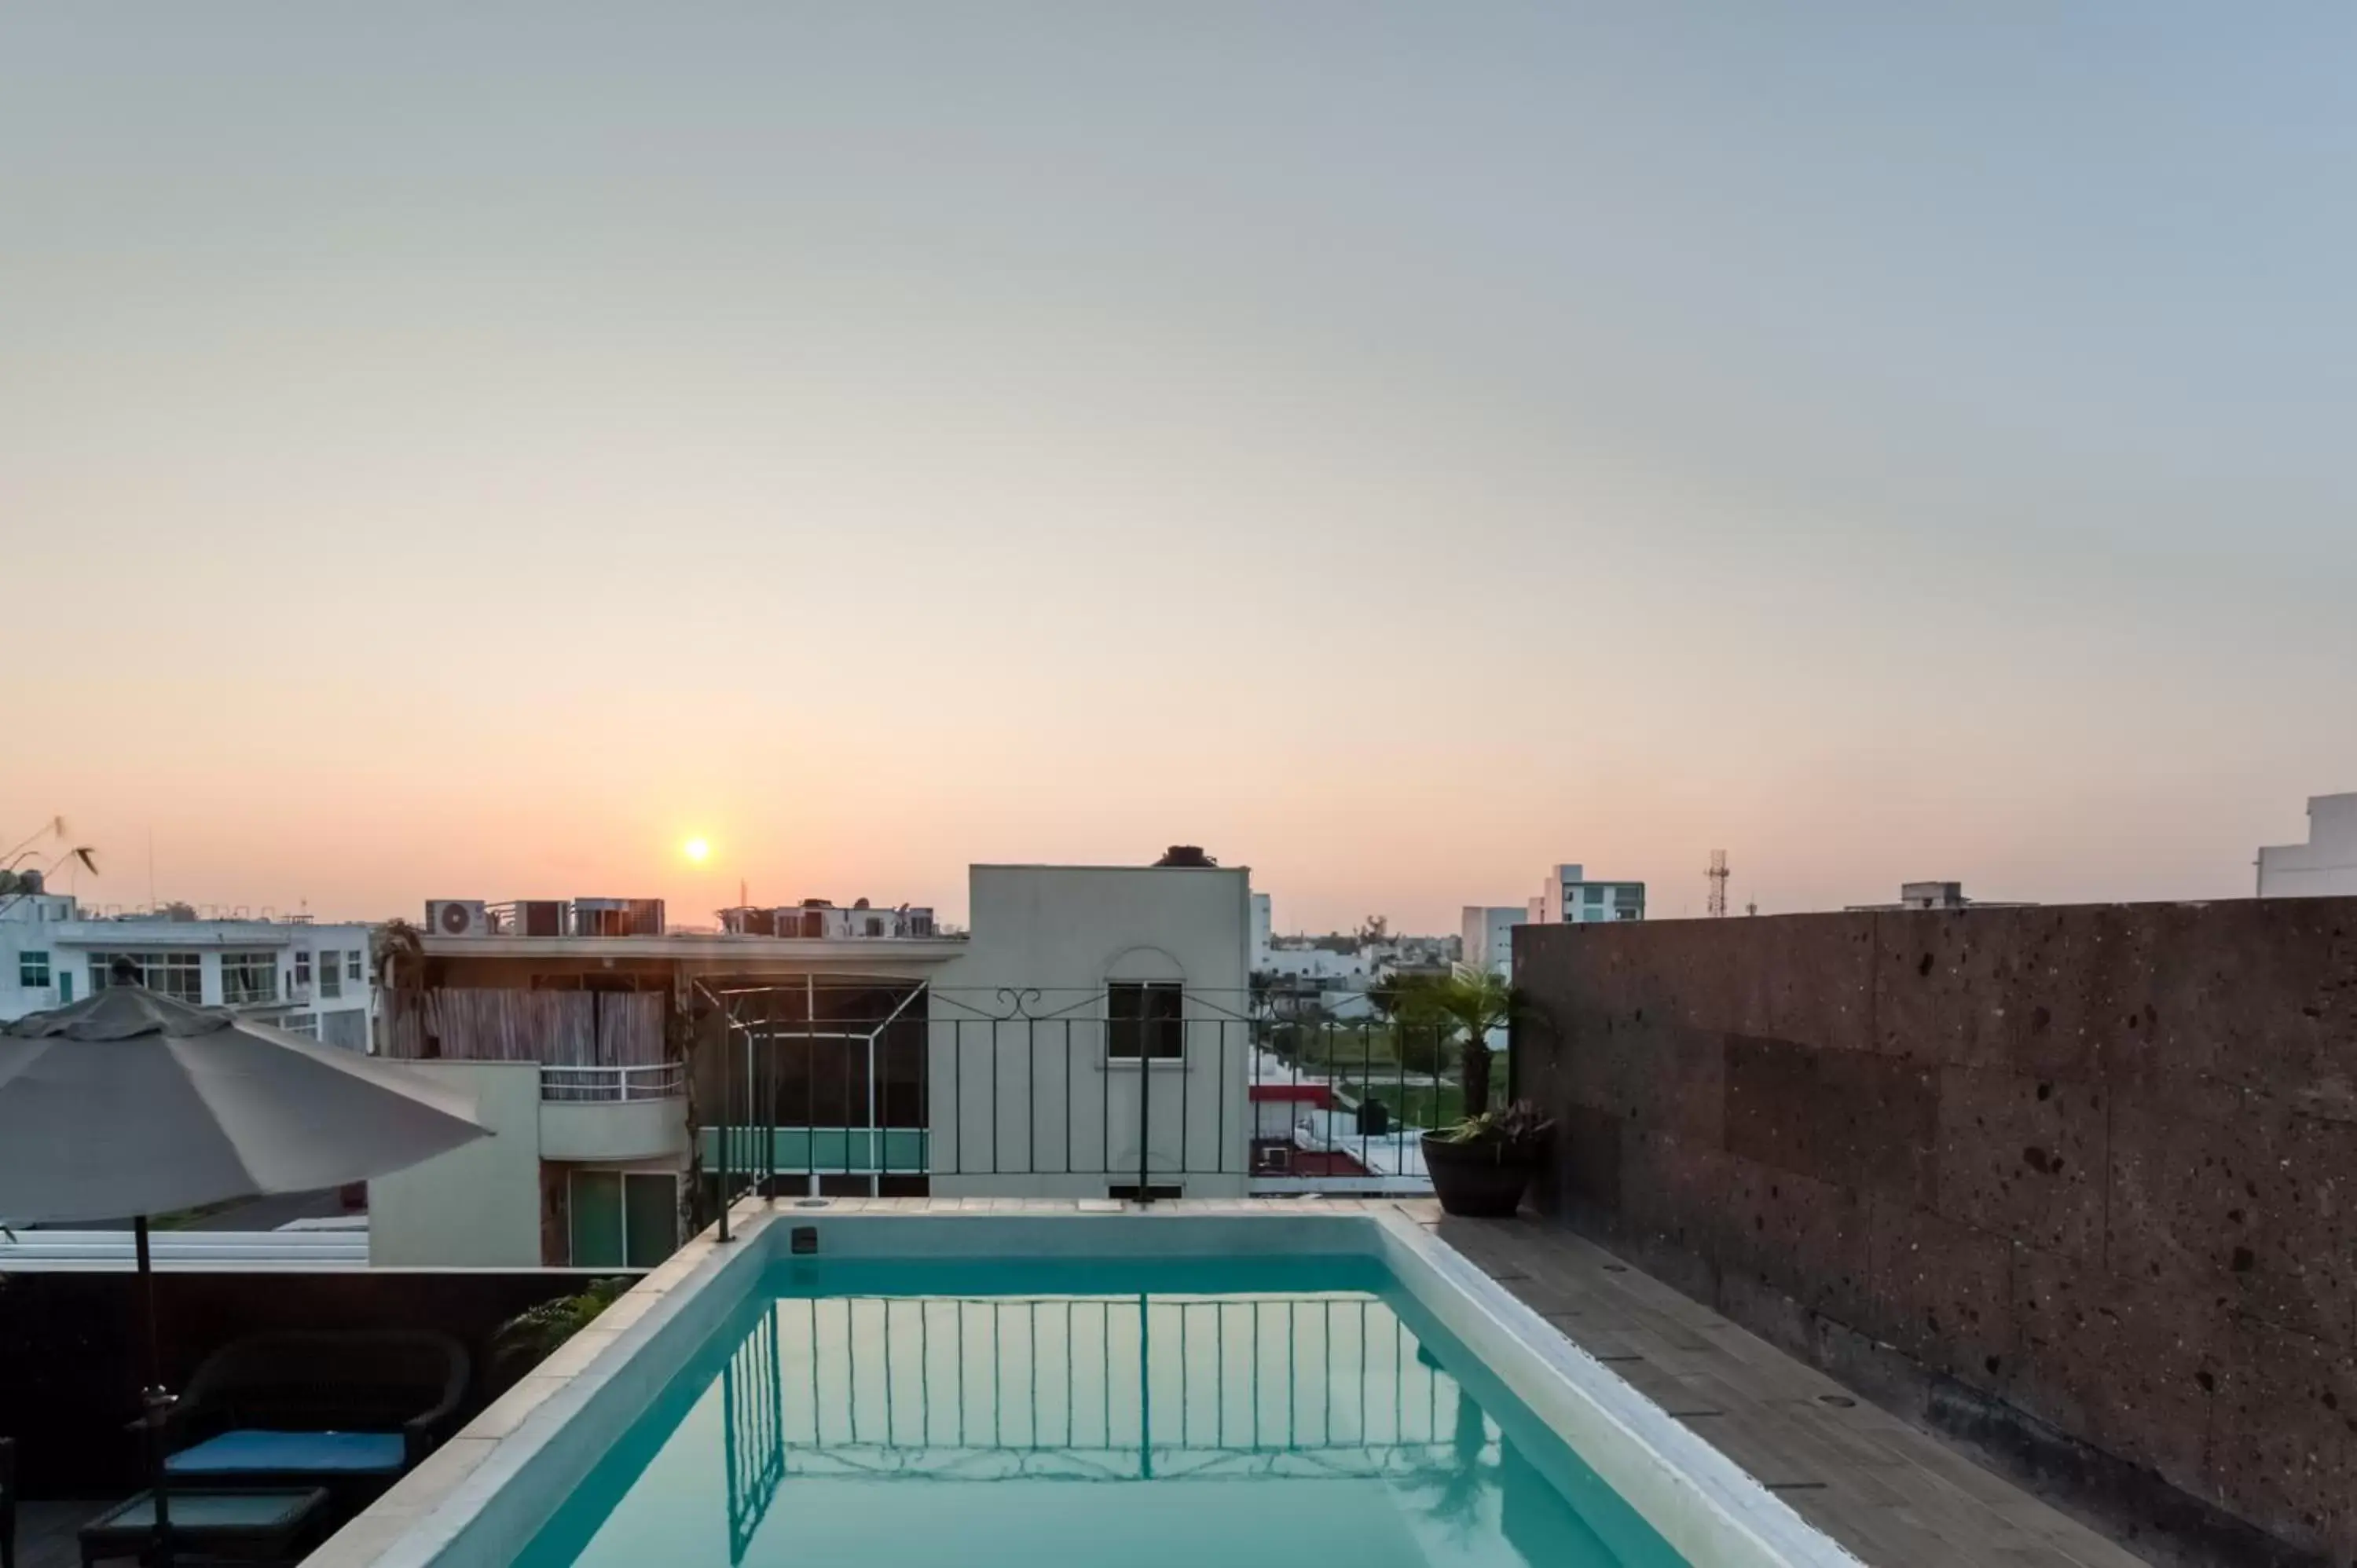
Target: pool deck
<point x="1890" y="1493"/>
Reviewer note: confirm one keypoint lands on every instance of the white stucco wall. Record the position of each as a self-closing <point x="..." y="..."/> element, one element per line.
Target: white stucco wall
<point x="615" y="1130"/>
<point x="477" y="1205"/>
<point x="1052" y="937"/>
<point x="2326" y="866"/>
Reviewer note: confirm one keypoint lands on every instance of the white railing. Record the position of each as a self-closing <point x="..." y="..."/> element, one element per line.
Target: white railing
<point x="612" y="1085"/>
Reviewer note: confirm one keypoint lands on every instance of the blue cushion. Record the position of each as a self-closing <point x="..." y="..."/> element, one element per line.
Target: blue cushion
<point x="293" y="1453"/>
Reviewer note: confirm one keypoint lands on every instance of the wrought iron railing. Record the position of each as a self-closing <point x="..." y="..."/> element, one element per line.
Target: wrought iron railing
<point x="1125" y="1091"/>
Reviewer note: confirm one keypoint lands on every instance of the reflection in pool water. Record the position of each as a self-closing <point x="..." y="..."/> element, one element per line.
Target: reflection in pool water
<point x="1170" y="1413"/>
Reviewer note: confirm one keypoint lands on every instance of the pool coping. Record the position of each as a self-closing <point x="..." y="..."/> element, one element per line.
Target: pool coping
<point x="439" y="1516"/>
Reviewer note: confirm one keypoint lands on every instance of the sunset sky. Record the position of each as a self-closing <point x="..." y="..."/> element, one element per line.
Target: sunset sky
<point x="1395" y="446"/>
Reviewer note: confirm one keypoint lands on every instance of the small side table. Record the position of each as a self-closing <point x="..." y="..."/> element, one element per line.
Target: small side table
<point x="260" y="1523"/>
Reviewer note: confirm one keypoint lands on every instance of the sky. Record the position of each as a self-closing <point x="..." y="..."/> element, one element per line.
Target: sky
<point x="464" y="451"/>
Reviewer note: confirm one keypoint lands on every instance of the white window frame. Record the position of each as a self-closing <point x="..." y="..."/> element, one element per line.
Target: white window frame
<point x="249" y="962"/>
<point x="183" y="971"/>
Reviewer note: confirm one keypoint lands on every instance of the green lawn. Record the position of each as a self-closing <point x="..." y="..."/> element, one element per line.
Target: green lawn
<point x="1422" y="1105"/>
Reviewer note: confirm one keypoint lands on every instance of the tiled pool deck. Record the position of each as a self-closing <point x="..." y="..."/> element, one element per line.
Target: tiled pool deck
<point x="1889" y="1493"/>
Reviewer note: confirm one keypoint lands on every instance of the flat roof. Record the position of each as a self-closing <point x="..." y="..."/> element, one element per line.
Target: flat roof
<point x="705" y="948"/>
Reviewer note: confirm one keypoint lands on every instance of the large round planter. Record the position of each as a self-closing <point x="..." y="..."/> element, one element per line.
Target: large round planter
<point x="1479" y="1180"/>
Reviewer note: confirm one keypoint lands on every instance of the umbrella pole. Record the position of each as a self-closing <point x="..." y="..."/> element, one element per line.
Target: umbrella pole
<point x="153" y="1402"/>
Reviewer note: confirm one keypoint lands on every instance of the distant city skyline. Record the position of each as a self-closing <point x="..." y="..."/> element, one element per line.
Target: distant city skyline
<point x="695" y="893"/>
<point x="451" y="453"/>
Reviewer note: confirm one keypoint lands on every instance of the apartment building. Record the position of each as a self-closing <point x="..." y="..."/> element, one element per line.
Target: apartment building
<point x="1571" y="898"/>
<point x="1088" y="1036"/>
<point x="308" y="977"/>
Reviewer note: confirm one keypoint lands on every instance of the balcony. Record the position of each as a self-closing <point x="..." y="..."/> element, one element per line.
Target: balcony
<point x="613" y="1112"/>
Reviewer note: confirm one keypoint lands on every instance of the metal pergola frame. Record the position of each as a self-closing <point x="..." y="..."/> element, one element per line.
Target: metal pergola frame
<point x="726" y="1000"/>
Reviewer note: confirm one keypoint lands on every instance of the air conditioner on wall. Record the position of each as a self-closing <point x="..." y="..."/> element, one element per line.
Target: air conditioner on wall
<point x="457" y="917"/>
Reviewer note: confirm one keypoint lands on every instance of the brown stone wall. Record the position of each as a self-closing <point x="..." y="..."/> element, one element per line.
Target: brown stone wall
<point x="2085" y="1179"/>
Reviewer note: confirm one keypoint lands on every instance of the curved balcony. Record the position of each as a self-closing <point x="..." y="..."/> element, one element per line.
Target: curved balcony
<point x="613" y="1112"/>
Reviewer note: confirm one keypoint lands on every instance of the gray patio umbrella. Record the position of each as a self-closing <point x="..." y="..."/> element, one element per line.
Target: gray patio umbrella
<point x="131" y="1103"/>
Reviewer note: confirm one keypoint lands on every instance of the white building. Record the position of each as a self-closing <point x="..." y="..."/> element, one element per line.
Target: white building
<point x="1089" y="1035"/>
<point x="2326" y="866"/>
<point x="1489" y="935"/>
<point x="1320" y="967"/>
<point x="313" y="978"/>
<point x="1570" y="898"/>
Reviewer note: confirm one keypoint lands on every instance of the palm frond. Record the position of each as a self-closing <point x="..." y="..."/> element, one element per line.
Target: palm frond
<point x="537" y="1331"/>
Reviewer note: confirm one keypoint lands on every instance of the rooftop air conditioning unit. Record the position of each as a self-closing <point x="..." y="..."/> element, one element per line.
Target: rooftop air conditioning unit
<point x="457" y="917"/>
<point x="601" y="918"/>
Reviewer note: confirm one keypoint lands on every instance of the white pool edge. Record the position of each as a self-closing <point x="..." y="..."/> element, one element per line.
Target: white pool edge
<point x="479" y="1499"/>
<point x="1714" y="1513"/>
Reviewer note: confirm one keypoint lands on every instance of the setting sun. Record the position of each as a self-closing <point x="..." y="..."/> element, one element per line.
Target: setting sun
<point x="696" y="849"/>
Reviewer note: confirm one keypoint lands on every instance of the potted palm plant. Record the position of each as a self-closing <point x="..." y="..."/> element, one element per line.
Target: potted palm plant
<point x="1481" y="1164"/>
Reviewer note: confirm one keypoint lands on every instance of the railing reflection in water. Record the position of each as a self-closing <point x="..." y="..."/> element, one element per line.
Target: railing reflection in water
<point x="1089" y="1388"/>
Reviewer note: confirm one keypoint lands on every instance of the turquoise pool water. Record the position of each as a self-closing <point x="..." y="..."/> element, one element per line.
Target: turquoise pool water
<point x="1173" y="1413"/>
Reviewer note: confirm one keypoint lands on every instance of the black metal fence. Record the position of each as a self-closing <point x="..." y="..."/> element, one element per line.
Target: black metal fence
<point x="1137" y="1088"/>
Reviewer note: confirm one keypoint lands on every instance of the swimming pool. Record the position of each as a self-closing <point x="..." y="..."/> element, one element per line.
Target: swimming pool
<point x="1165" y="1391"/>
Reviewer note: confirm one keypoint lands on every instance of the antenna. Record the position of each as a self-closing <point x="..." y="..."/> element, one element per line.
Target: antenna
<point x="1718" y="874"/>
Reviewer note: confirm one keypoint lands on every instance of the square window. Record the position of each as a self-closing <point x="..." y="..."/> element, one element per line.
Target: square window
<point x="248" y="978"/>
<point x="33" y="969"/>
<point x="1145" y="1021"/>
